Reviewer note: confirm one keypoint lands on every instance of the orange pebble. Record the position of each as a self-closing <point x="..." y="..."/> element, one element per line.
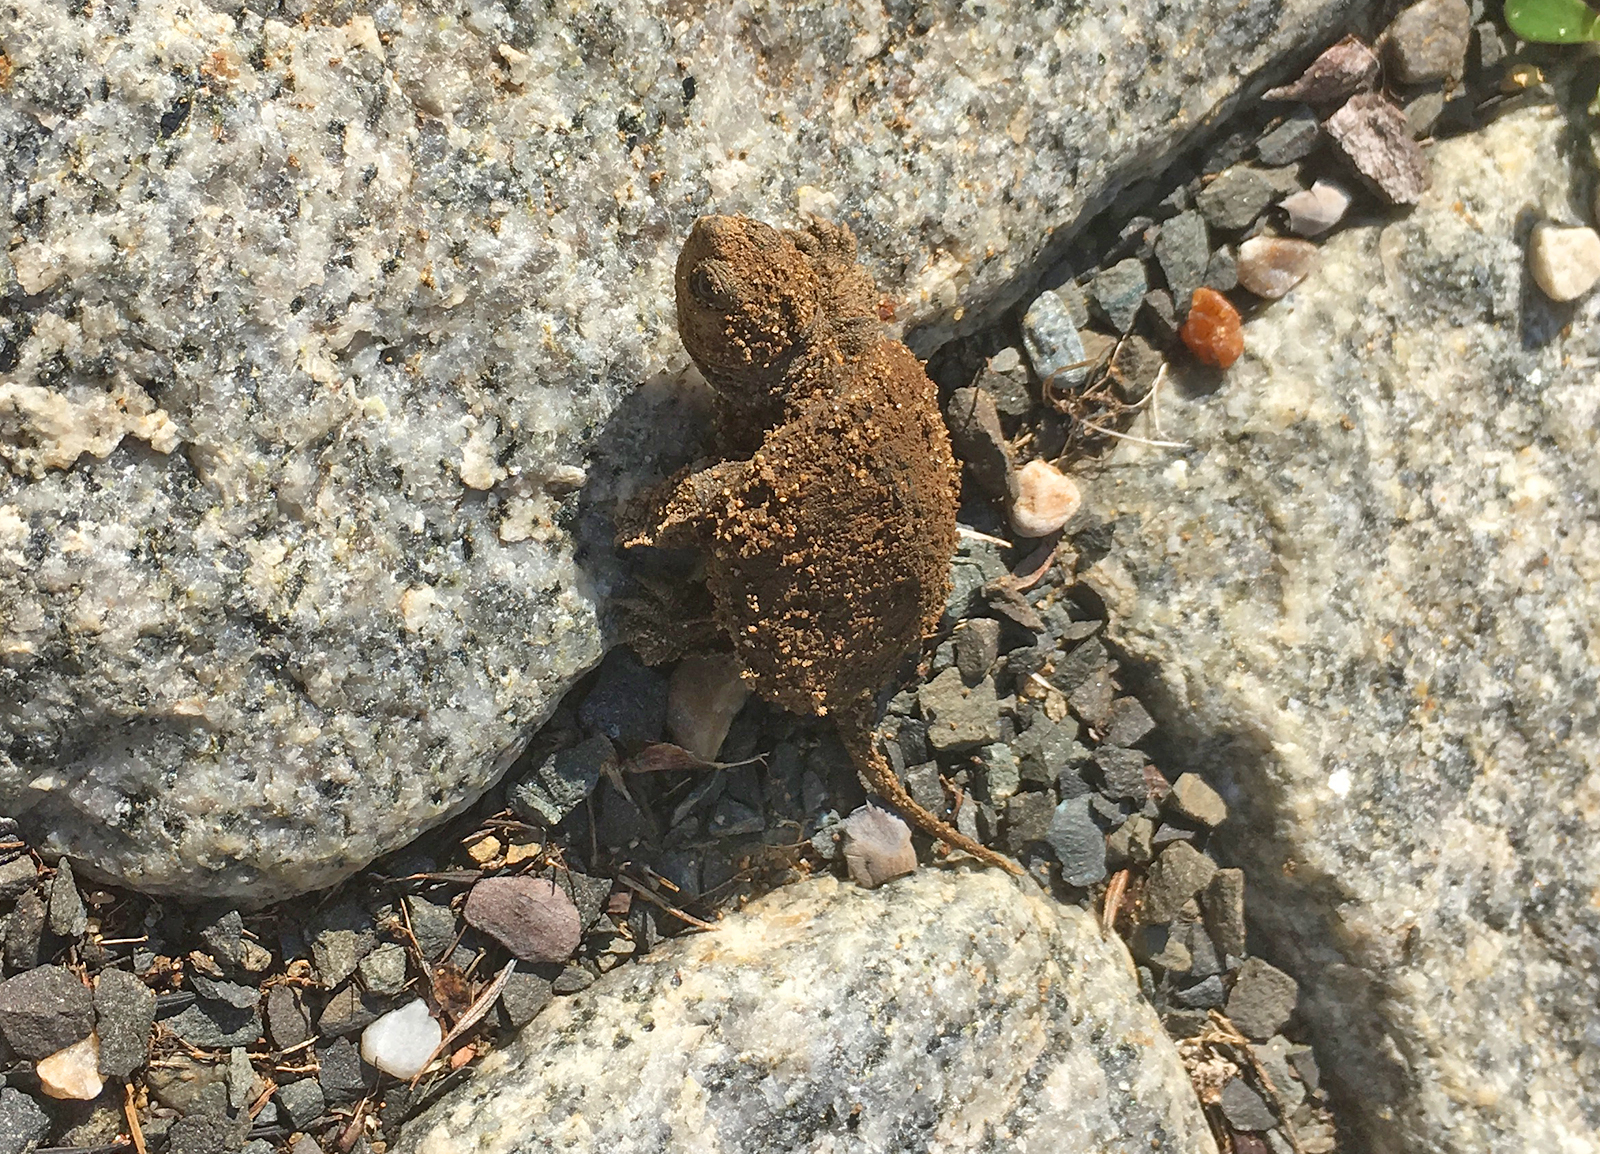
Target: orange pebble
<point x="1212" y="331"/>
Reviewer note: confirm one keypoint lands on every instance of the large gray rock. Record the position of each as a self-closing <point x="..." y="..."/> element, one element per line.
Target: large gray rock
<point x="951" y="1010"/>
<point x="1370" y="597"/>
<point x="314" y="319"/>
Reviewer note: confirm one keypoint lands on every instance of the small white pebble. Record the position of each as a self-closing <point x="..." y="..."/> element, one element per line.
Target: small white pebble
<point x="1045" y="500"/>
<point x="73" y="1073"/>
<point x="877" y="846"/>
<point x="400" y="1042"/>
<point x="1006" y="360"/>
<point x="1565" y="262"/>
<point x="1339" y="782"/>
<point x="1313" y="211"/>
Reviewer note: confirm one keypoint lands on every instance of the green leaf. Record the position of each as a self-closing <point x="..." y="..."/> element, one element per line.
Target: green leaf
<point x="1553" y="21"/>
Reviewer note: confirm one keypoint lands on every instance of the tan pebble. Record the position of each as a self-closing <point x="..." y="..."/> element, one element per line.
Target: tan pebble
<point x="73" y="1073"/>
<point x="1270" y="266"/>
<point x="877" y="847"/>
<point x="519" y="852"/>
<point x="1046" y="500"/>
<point x="1565" y="262"/>
<point x="704" y="696"/>
<point x="485" y="849"/>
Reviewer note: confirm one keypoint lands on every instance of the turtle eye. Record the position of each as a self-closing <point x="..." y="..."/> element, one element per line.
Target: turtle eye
<point x="711" y="283"/>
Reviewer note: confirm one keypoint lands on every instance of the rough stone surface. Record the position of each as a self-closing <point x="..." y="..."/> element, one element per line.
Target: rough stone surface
<point x="950" y="1010"/>
<point x="1182" y="251"/>
<point x="560" y="784"/>
<point x="1428" y="41"/>
<point x="1366" y="601"/>
<point x="23" y="1125"/>
<point x="1078" y="843"/>
<point x="314" y="325"/>
<point x="44" y="1011"/>
<point x="124" y="1009"/>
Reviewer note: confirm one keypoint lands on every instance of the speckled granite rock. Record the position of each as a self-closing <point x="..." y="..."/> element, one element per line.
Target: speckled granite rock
<point x="1370" y="603"/>
<point x="950" y="1010"/>
<point x="314" y="319"/>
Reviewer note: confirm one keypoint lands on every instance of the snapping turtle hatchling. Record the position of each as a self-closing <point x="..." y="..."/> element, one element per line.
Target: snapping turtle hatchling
<point x="828" y="529"/>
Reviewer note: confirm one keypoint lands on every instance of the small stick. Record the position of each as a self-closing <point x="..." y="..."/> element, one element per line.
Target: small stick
<point x="1112" y="903"/>
<point x="474" y="1014"/>
<point x="1088" y="424"/>
<point x="135" y="1131"/>
<point x="974" y="535"/>
<point x="644" y="892"/>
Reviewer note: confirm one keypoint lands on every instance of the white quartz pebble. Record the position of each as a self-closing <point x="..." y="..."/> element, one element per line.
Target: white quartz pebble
<point x="1313" y="211"/>
<point x="401" y="1042"/>
<point x="72" y="1073"/>
<point x="1565" y="262"/>
<point x="1046" y="499"/>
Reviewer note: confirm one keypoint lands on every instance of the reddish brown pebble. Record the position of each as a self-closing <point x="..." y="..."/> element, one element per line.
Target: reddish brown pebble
<point x="1212" y="331"/>
<point x="531" y="917"/>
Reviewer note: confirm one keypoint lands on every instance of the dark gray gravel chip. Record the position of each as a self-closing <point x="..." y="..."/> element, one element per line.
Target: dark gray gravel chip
<point x="1276" y="1055"/>
<point x="1027" y="819"/>
<point x="1071" y="782"/>
<point x="1222" y="270"/>
<point x="302" y="1102"/>
<point x="1262" y="999"/>
<point x="223" y="934"/>
<point x="1422" y="114"/>
<point x="306" y="1144"/>
<point x="341" y="1072"/>
<point x="1091" y="700"/>
<point x="561" y="782"/>
<point x="348" y="1010"/>
<point x="618" y="822"/>
<point x="67" y="918"/>
<point x="435" y="926"/>
<point x="125" y="1013"/>
<point x="1002" y="773"/>
<point x="959" y="718"/>
<point x="588" y="893"/>
<point x="1010" y="392"/>
<point x="287" y="1022"/>
<point x="17" y="876"/>
<point x="571" y="980"/>
<point x="1235" y="198"/>
<point x="235" y="994"/>
<point x="1223" y="904"/>
<point x="45" y="1010"/>
<point x="383" y="971"/>
<point x="734" y="819"/>
<point x="1205" y="960"/>
<point x="1292" y="140"/>
<point x="25" y="932"/>
<point x="1047" y="749"/>
<point x="1186" y="1023"/>
<point x="1085" y="660"/>
<point x="523" y="996"/>
<point x="1078" y="843"/>
<point x="1182" y="252"/>
<point x="1305" y="1064"/>
<point x="1118" y="292"/>
<point x="1177" y="875"/>
<point x="23" y="1125"/>
<point x="1123" y="772"/>
<point x="628" y="702"/>
<point x="1244" y="1108"/>
<point x="977" y="648"/>
<point x="1129" y="844"/>
<point x="1129" y="722"/>
<point x="1203" y="995"/>
<point x="340" y="937"/>
<point x="215" y="1025"/>
<point x="205" y="1134"/>
<point x="1162" y="315"/>
<point x="979" y="441"/>
<point x="1168" y="834"/>
<point x="190" y="1087"/>
<point x="923" y="784"/>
